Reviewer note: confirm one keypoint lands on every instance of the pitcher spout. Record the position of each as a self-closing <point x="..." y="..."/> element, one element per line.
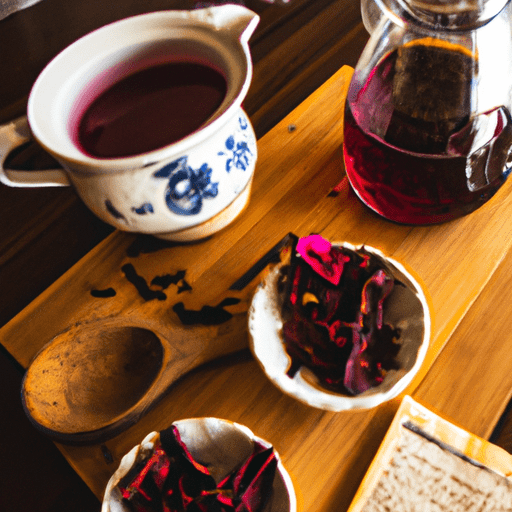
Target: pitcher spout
<point x="237" y="21"/>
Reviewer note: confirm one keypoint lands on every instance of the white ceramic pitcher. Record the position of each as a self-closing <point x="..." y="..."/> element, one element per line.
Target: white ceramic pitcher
<point x="186" y="190"/>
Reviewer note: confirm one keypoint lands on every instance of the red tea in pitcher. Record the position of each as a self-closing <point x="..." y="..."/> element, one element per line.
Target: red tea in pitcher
<point x="413" y="152"/>
<point x="150" y="109"/>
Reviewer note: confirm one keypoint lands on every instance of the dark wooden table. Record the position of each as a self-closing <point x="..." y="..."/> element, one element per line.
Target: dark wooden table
<point x="44" y="232"/>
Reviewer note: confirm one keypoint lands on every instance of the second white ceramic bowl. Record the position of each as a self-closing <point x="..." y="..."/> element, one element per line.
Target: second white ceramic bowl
<point x="406" y="308"/>
<point x="220" y="445"/>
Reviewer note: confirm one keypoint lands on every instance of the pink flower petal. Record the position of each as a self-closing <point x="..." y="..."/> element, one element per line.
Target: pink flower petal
<point x="319" y="254"/>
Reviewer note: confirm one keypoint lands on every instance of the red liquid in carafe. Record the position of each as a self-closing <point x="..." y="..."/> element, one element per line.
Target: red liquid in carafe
<point x="150" y="109"/>
<point x="412" y="152"/>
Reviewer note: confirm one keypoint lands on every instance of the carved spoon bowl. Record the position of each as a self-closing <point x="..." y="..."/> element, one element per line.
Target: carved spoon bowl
<point x="96" y="379"/>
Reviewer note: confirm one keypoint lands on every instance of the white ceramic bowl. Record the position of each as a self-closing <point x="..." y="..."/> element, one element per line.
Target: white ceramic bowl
<point x="406" y="308"/>
<point x="222" y="446"/>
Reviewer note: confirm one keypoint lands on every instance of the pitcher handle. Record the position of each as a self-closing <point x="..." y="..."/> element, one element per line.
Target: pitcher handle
<point x="12" y="135"/>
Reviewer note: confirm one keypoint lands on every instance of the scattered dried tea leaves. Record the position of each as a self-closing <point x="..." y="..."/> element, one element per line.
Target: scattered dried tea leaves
<point x="103" y="294"/>
<point x="333" y="311"/>
<point x="163" y="282"/>
<point x="177" y="279"/>
<point x="207" y="315"/>
<point x="140" y="283"/>
<point x="170" y="480"/>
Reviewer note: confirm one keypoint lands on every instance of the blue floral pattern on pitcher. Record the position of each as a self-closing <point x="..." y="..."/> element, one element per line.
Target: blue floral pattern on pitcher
<point x="187" y="186"/>
<point x="241" y="155"/>
<point x="143" y="209"/>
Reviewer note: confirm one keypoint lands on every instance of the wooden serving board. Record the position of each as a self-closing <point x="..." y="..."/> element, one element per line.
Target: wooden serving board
<point x="299" y="187"/>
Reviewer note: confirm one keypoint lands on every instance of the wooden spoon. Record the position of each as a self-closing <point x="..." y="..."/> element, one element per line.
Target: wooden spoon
<point x="96" y="379"/>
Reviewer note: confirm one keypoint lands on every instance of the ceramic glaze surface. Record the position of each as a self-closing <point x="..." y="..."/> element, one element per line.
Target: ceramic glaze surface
<point x="185" y="190"/>
<point x="188" y="187"/>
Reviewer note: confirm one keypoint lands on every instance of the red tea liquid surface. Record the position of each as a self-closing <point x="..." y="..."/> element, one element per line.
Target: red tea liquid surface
<point x="150" y="109"/>
<point x="412" y="152"/>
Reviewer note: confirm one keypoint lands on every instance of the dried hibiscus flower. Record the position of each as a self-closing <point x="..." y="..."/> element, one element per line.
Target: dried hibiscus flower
<point x="332" y="307"/>
<point x="170" y="480"/>
<point x="322" y="257"/>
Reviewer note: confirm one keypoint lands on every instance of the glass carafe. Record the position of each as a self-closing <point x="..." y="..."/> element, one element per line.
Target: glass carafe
<point x="428" y="130"/>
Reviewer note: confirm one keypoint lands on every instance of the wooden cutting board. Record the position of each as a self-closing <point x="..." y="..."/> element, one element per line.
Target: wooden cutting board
<point x="299" y="187"/>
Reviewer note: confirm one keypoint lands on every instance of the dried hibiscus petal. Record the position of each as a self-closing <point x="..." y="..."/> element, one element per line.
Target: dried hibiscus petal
<point x="309" y="343"/>
<point x="318" y="253"/>
<point x="171" y="480"/>
<point x="251" y="481"/>
<point x="189" y="478"/>
<point x="143" y="489"/>
<point x="175" y="447"/>
<point x="372" y="355"/>
<point x="375" y="291"/>
<point x="373" y="342"/>
<point x="333" y="315"/>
